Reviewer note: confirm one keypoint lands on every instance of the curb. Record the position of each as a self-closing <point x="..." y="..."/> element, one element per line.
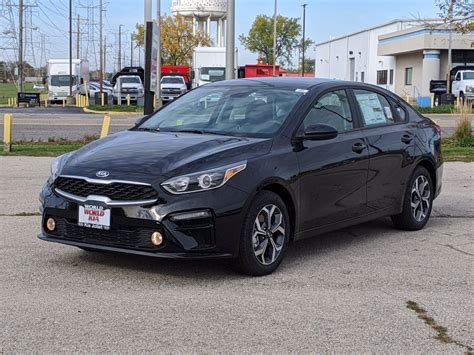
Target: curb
<point x="112" y="113"/>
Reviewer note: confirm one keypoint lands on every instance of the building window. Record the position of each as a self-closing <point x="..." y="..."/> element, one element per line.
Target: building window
<point x="382" y="77"/>
<point x="362" y="77"/>
<point x="408" y="76"/>
<point x="391" y="77"/>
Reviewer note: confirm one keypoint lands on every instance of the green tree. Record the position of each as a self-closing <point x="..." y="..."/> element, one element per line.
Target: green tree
<point x="457" y="14"/>
<point x="177" y="40"/>
<point x="309" y="65"/>
<point x="260" y="38"/>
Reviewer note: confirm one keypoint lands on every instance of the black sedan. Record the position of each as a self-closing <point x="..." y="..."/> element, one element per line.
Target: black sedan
<point x="240" y="168"/>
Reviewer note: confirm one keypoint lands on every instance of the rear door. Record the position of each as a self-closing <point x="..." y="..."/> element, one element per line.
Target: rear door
<point x="390" y="137"/>
<point x="333" y="173"/>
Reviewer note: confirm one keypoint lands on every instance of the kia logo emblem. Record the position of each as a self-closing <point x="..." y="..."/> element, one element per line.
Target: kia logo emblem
<point x="102" y="173"/>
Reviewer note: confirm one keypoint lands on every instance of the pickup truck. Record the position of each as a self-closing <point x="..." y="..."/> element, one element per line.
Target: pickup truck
<point x="172" y="87"/>
<point x="128" y="85"/>
<point x="463" y="84"/>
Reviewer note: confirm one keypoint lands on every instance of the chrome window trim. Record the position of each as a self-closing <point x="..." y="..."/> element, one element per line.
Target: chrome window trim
<point x="106" y="200"/>
<point x="104" y="182"/>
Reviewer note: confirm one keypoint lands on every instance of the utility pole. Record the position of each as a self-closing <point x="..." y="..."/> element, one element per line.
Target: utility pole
<point x="78" y="54"/>
<point x="302" y="43"/>
<point x="450" y="43"/>
<point x="230" y="42"/>
<point x="158" y="59"/>
<point x="70" y="47"/>
<point x="20" y="48"/>
<point x="120" y="48"/>
<point x="131" y="50"/>
<point x="101" y="48"/>
<point x="105" y="58"/>
<point x="274" y="37"/>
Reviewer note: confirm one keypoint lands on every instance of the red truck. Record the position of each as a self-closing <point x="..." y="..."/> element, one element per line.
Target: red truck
<point x="258" y="70"/>
<point x="178" y="70"/>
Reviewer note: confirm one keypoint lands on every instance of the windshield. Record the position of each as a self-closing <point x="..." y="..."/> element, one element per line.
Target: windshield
<point x="61" y="80"/>
<point x="234" y="111"/>
<point x="175" y="80"/>
<point x="469" y="75"/>
<point x="130" y="80"/>
<point x="212" y="74"/>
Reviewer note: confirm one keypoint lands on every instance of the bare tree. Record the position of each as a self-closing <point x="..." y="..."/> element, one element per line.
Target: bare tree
<point x="457" y="14"/>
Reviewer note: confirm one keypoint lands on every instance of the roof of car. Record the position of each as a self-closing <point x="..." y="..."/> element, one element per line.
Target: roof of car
<point x="283" y="82"/>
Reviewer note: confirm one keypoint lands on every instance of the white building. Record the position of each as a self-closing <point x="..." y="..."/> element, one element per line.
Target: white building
<point x="402" y="56"/>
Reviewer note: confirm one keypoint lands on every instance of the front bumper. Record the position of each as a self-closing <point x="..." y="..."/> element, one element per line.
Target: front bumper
<point x="214" y="233"/>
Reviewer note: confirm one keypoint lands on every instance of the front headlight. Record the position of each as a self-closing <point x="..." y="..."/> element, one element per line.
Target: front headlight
<point x="57" y="165"/>
<point x="204" y="180"/>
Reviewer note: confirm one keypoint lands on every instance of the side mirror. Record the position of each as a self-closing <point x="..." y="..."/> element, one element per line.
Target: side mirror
<point x="319" y="132"/>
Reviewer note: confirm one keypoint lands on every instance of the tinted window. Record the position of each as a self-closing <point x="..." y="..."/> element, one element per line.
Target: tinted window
<point x="375" y="108"/>
<point x="332" y="109"/>
<point x="381" y="77"/>
<point x="408" y="76"/>
<point x="236" y="111"/>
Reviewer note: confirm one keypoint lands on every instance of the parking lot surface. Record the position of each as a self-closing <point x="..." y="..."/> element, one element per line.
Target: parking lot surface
<point x="340" y="292"/>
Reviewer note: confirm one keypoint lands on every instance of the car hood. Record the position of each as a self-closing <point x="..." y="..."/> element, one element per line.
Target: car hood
<point x="149" y="156"/>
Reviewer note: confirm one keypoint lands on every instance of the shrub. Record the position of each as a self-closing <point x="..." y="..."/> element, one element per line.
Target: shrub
<point x="463" y="133"/>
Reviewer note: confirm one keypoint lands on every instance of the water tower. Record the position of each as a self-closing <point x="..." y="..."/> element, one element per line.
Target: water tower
<point x="203" y="13"/>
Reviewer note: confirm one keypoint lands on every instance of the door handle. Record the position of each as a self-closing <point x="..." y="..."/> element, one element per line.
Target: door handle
<point x="358" y="147"/>
<point x="407" y="138"/>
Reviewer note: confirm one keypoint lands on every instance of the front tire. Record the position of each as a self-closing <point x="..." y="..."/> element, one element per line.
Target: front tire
<point x="265" y="235"/>
<point x="418" y="202"/>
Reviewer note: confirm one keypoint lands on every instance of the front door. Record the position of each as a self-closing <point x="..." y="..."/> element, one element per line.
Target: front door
<point x="333" y="173"/>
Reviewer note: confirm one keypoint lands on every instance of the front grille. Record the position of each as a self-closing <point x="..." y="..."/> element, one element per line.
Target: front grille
<point x="133" y="238"/>
<point x="117" y="191"/>
<point x="171" y="91"/>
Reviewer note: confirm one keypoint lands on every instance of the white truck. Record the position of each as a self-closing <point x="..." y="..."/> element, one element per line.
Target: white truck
<point x="463" y="84"/>
<point x="58" y="77"/>
<point x="172" y="87"/>
<point x="128" y="86"/>
<point x="209" y="65"/>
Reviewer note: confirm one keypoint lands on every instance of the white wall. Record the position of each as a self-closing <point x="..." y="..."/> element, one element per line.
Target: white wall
<point x="332" y="58"/>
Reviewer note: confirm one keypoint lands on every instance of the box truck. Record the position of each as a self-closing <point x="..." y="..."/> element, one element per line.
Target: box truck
<point x="209" y="65"/>
<point x="58" y="77"/>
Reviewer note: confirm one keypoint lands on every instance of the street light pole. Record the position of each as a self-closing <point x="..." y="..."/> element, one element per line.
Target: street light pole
<point x="230" y="42"/>
<point x="70" y="47"/>
<point x="20" y="48"/>
<point x="101" y="48"/>
<point x="303" y="44"/>
<point x="120" y="48"/>
<point x="274" y="37"/>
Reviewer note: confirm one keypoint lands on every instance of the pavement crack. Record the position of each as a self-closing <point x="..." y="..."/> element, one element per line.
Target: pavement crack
<point x="22" y="214"/>
<point x="441" y="332"/>
<point x="456" y="249"/>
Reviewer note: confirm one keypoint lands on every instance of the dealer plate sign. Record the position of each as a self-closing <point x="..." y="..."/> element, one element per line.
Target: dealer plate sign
<point x="93" y="216"/>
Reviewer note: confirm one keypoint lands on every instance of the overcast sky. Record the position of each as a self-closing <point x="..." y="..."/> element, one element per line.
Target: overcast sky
<point x="324" y="19"/>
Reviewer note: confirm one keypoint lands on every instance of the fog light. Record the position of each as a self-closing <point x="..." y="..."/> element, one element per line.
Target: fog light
<point x="156" y="238"/>
<point x="51" y="224"/>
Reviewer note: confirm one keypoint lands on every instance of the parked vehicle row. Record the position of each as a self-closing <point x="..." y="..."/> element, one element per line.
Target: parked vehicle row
<point x="239" y="169"/>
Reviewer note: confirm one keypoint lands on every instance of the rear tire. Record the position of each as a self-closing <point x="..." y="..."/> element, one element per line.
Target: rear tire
<point x="264" y="237"/>
<point x="418" y="202"/>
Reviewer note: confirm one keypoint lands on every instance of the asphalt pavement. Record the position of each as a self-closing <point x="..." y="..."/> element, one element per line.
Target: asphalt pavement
<point x="344" y="291"/>
<point x="72" y="123"/>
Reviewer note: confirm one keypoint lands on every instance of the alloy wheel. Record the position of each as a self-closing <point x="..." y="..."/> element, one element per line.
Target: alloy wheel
<point x="268" y="235"/>
<point x="420" y="198"/>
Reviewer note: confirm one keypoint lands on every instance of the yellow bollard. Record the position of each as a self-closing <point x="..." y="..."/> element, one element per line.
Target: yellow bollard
<point x="105" y="127"/>
<point x="87" y="93"/>
<point x="9" y="102"/>
<point x="7" y="132"/>
<point x="102" y="99"/>
<point x="432" y="100"/>
<point x="64" y="102"/>
<point x="458" y="101"/>
<point x="46" y="103"/>
<point x="128" y="100"/>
